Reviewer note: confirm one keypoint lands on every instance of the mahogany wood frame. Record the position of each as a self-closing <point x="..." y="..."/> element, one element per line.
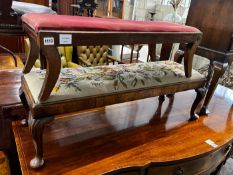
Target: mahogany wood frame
<point x="43" y="112"/>
<point x="101" y="38"/>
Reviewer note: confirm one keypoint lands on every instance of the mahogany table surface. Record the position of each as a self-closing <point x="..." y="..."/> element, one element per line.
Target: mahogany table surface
<point x="10" y="81"/>
<point x="129" y="135"/>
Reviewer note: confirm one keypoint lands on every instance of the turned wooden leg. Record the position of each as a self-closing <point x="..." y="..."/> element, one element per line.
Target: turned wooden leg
<point x="166" y="51"/>
<point x="152" y="52"/>
<point x="178" y="57"/>
<point x="23" y="99"/>
<point x="161" y="98"/>
<point x="36" y="128"/>
<point x="32" y="57"/>
<point x="218" y="71"/>
<point x="200" y="95"/>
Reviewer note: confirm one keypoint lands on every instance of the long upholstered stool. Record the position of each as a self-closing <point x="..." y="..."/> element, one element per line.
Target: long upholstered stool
<point x="52" y="91"/>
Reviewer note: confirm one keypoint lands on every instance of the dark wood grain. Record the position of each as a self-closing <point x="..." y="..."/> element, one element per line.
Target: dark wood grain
<point x="166" y="51"/>
<point x="10" y="82"/>
<point x="12" y="35"/>
<point x="52" y="73"/>
<point x="40" y="2"/>
<point x="214" y="22"/>
<point x="32" y="56"/>
<point x="135" y="138"/>
<point x="64" y="7"/>
<point x="10" y="25"/>
<point x="152" y="52"/>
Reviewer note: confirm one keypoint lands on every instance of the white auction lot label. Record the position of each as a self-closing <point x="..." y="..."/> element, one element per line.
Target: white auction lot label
<point x="211" y="143"/>
<point x="48" y="41"/>
<point x="65" y="39"/>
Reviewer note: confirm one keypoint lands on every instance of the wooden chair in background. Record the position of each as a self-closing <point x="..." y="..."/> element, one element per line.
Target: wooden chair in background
<point x="217" y="42"/>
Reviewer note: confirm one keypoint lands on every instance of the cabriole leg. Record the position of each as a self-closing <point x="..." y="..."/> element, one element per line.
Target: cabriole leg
<point x="36" y="128"/>
<point x="200" y="95"/>
<point x="23" y="99"/>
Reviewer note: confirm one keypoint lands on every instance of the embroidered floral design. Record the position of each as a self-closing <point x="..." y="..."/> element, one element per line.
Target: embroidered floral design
<point x="118" y="76"/>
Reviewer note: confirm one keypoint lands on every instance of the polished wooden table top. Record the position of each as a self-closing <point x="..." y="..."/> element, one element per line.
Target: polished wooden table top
<point x="129" y="135"/>
<point x="10" y="81"/>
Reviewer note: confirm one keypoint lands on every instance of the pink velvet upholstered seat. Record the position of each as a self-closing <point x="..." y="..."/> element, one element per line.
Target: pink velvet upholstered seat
<point x="76" y="23"/>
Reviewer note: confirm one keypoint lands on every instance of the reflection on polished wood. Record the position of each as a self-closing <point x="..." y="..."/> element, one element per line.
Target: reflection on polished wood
<point x="9" y="90"/>
<point x="10" y="103"/>
<point x="138" y="136"/>
<point x="9" y="87"/>
<point x="10" y="81"/>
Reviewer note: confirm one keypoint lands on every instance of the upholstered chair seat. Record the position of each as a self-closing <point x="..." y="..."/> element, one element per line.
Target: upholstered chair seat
<point x="95" y="56"/>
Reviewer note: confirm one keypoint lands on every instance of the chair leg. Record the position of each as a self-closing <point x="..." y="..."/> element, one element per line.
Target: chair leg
<point x="23" y="99"/>
<point x="170" y="95"/>
<point x="178" y="57"/>
<point x="36" y="128"/>
<point x="200" y="95"/>
<point x="33" y="55"/>
<point x="52" y="71"/>
<point x="218" y="71"/>
<point x="161" y="98"/>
